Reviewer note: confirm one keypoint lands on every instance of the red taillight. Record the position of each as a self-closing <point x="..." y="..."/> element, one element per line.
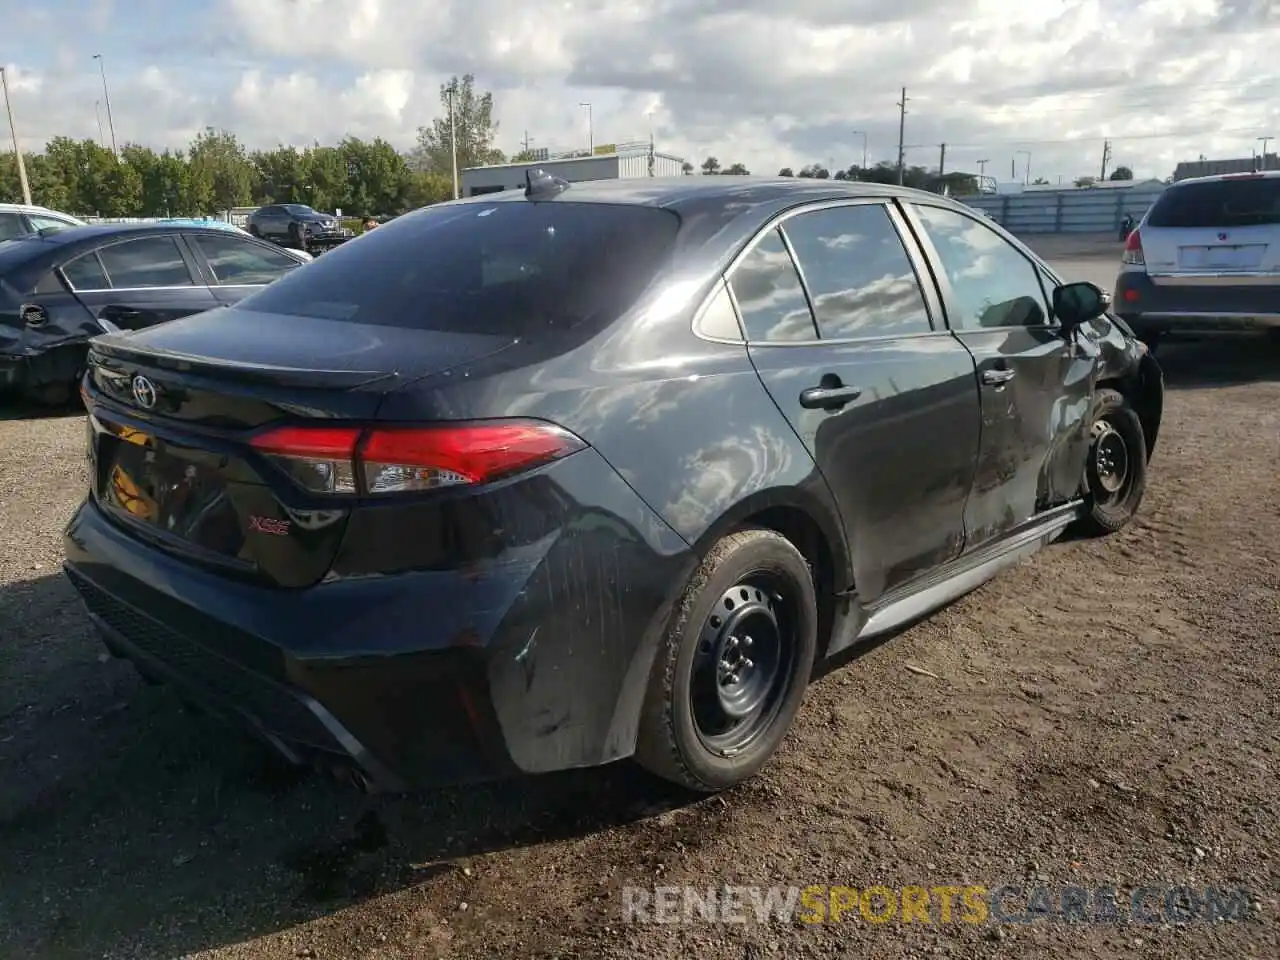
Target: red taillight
<point x="1133" y="249"/>
<point x="397" y="459"/>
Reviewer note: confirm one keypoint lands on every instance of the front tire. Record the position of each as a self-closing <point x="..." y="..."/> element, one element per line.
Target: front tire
<point x="733" y="666"/>
<point x="1116" y="470"/>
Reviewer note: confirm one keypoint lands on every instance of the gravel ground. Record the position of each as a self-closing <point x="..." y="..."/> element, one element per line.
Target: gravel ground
<point x="1106" y="713"/>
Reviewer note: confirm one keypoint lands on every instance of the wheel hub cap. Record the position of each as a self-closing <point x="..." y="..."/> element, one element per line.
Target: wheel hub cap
<point x="1110" y="457"/>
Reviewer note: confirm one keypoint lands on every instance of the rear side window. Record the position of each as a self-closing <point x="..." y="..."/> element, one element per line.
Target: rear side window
<point x="149" y="262"/>
<point x="1246" y="202"/>
<point x="503" y="268"/>
<point x="235" y="261"/>
<point x="858" y="273"/>
<point x="770" y="296"/>
<point x="85" y="273"/>
<point x="10" y="226"/>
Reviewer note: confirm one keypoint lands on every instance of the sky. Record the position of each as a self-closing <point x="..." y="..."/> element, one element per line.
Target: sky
<point x="765" y="84"/>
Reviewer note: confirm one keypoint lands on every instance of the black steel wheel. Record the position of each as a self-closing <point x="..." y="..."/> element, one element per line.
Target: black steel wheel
<point x="1116" y="470"/>
<point x="732" y="670"/>
<point x="741" y="667"/>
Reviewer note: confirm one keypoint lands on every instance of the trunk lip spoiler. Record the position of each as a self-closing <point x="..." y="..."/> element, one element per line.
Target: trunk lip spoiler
<point x="119" y="347"/>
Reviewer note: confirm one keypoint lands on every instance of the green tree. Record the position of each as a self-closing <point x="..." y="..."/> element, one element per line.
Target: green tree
<point x="686" y="168"/>
<point x="473" y="122"/>
<point x="166" y="188"/>
<point x="326" y="186"/>
<point x="221" y="173"/>
<point x="378" y="178"/>
<point x="786" y="172"/>
<point x="280" y="176"/>
<point x="710" y="166"/>
<point x="737" y="170"/>
<point x="1121" y="173"/>
<point x="814" y="171"/>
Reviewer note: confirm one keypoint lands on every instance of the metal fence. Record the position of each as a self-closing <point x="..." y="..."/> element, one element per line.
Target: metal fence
<point x="1081" y="210"/>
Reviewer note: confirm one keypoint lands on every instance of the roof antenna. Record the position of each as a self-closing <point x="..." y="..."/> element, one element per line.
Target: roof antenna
<point x="538" y="183"/>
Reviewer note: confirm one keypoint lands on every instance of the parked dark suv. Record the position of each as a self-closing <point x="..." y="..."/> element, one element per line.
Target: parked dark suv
<point x="297" y="225"/>
<point x="546" y="479"/>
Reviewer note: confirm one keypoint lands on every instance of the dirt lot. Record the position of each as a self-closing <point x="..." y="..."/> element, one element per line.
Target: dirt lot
<point x="1109" y="712"/>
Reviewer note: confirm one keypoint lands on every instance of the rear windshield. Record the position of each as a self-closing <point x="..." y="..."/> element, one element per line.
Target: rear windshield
<point x="505" y="268"/>
<point x="1219" y="203"/>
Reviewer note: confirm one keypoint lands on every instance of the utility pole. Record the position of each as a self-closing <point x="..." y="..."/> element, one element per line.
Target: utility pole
<point x="591" y="133"/>
<point x="1265" y="141"/>
<point x="652" y="151"/>
<point x="526" y="141"/>
<point x="107" y="97"/>
<point x="17" y="149"/>
<point x="453" y="134"/>
<point x="1106" y="155"/>
<point x="982" y="169"/>
<point x="902" y="128"/>
<point x="942" y="161"/>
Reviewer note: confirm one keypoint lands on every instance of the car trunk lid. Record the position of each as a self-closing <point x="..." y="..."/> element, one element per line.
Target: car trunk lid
<point x="173" y="410"/>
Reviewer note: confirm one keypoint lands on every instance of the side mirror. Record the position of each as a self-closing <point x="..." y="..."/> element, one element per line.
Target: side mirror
<point x="1078" y="303"/>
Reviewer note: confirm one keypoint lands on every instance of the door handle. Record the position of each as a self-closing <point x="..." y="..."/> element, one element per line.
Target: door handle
<point x="120" y="313"/>
<point x="994" y="378"/>
<point x="828" y="398"/>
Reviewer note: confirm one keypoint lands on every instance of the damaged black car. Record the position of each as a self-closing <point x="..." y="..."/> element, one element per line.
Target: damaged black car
<point x="59" y="290"/>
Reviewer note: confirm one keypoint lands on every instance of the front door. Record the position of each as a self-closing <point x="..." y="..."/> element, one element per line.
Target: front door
<point x="1036" y="388"/>
<point x="884" y="402"/>
<point x="238" y="266"/>
<point x="137" y="283"/>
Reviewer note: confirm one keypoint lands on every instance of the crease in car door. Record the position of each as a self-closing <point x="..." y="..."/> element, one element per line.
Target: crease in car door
<point x="885" y="405"/>
<point x="148" y="280"/>
<point x="1036" y="389"/>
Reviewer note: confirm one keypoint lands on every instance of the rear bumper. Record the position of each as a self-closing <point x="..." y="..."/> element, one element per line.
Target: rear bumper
<point x="535" y="662"/>
<point x="1150" y="307"/>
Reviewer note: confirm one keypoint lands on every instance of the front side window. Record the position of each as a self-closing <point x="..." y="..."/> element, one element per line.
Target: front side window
<point x="858" y="273"/>
<point x="147" y="262"/>
<point x="242" y="262"/>
<point x="770" y="296"/>
<point x="992" y="283"/>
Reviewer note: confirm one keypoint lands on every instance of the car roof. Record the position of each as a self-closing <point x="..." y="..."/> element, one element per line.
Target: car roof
<point x="741" y="192"/>
<point x="33" y="208"/>
<point x="101" y="230"/>
<point x="1218" y="177"/>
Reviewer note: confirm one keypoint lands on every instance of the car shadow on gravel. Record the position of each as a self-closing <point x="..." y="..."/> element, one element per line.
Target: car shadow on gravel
<point x="1219" y="362"/>
<point x="133" y="825"/>
<point x="14" y="408"/>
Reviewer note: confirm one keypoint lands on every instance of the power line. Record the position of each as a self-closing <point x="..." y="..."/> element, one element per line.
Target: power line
<point x="1066" y="141"/>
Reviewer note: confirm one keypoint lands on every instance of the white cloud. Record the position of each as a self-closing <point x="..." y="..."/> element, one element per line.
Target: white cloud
<point x="744" y="80"/>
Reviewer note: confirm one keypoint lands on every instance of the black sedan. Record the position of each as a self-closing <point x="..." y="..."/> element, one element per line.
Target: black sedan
<point x="58" y="290"/>
<point x="548" y="479"/>
<point x="297" y="225"/>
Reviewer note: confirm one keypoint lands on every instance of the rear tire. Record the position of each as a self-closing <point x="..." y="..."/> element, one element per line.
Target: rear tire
<point x="1116" y="470"/>
<point x="733" y="666"/>
<point x="254" y="231"/>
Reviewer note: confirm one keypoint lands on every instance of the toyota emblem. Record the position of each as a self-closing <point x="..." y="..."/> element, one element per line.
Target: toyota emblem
<point x="144" y="392"/>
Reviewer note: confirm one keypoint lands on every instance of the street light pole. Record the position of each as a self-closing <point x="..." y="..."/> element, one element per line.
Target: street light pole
<point x="97" y="109"/>
<point x="1265" y="141"/>
<point x="453" y="136"/>
<point x="863" y="134"/>
<point x="591" y="135"/>
<point x="107" y="97"/>
<point x="17" y="149"/>
<point x="1026" y="177"/>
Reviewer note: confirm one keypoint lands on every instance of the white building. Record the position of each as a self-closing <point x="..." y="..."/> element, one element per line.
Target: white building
<point x="609" y="162"/>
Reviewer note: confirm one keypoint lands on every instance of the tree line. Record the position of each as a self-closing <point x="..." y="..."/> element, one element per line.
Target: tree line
<point x="217" y="172"/>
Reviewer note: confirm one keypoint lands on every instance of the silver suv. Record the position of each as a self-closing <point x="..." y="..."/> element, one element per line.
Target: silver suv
<point x="1205" y="258"/>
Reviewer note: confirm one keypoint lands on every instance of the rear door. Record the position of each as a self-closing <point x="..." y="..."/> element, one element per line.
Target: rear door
<point x="1225" y="231"/>
<point x="1036" y="389"/>
<point x="238" y="266"/>
<point x="839" y="328"/>
<point x="139" y="282"/>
